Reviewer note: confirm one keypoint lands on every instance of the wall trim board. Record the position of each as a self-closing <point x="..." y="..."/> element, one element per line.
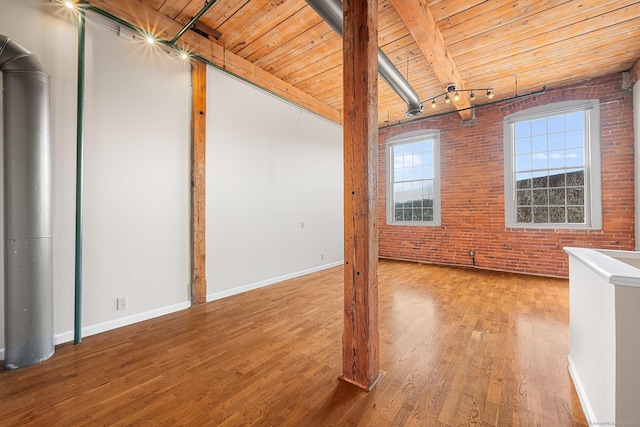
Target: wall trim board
<point x="582" y="395"/>
<point x="124" y="321"/>
<point x="117" y="323"/>
<point x="241" y="289"/>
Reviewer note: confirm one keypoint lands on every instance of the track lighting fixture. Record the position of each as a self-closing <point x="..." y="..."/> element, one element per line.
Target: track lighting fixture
<point x="456" y="94"/>
<point x="72" y="4"/>
<point x="128" y="31"/>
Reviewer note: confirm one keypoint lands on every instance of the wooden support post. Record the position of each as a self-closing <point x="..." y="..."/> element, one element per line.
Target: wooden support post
<point x="198" y="178"/>
<point x="360" y="340"/>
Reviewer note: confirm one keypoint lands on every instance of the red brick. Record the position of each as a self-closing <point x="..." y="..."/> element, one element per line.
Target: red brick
<point x="472" y="190"/>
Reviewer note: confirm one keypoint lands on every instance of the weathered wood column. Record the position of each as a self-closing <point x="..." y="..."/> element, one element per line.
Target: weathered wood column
<point x="360" y="340"/>
<point x="198" y="178"/>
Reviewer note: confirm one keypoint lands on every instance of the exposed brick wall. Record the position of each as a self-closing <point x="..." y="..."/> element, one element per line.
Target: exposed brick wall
<point x="472" y="190"/>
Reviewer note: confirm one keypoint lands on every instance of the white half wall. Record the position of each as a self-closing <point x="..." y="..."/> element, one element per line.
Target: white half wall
<point x="136" y="223"/>
<point x="274" y="188"/>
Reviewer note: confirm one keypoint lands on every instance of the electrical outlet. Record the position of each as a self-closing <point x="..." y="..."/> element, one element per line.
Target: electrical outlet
<point x="122" y="303"/>
<point x="321" y="257"/>
<point x="472" y="253"/>
<point x="301" y="224"/>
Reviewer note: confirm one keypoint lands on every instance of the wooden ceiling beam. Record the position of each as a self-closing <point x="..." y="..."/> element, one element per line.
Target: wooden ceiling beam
<point x="422" y="26"/>
<point x="148" y="19"/>
<point x="635" y="72"/>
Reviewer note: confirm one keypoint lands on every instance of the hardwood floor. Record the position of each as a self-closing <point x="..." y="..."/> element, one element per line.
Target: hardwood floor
<point x="458" y="347"/>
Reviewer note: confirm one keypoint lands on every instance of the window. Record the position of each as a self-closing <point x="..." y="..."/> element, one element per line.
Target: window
<point x="552" y="166"/>
<point x="413" y="188"/>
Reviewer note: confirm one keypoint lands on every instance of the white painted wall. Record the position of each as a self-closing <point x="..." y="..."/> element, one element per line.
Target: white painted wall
<point x="136" y="169"/>
<point x="137" y="182"/>
<point x="270" y="167"/>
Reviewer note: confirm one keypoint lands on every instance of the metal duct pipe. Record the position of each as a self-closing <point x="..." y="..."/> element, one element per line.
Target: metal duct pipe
<point x="77" y="316"/>
<point x="331" y="11"/>
<point x="27" y="208"/>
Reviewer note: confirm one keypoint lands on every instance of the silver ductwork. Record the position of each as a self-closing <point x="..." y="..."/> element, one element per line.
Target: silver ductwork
<point x="332" y="13"/>
<point x="27" y="207"/>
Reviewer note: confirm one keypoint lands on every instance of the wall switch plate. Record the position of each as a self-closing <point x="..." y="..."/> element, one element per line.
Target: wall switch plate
<point x="122" y="303"/>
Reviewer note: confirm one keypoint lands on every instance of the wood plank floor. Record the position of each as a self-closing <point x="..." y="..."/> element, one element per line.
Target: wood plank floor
<point x="458" y="347"/>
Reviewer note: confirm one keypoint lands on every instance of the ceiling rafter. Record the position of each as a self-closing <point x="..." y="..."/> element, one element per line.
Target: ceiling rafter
<point x="422" y="26"/>
<point x="284" y="47"/>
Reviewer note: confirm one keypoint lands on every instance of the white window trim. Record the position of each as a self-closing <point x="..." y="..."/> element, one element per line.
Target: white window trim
<point x="593" y="179"/>
<point x="406" y="138"/>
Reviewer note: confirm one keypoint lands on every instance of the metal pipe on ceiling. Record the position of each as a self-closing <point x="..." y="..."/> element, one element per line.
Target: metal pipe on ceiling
<point x="332" y="13"/>
<point x="204" y="10"/>
<point x="27" y="207"/>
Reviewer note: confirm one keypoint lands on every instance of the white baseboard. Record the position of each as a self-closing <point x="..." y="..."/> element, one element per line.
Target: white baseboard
<point x="116" y="323"/>
<point x="123" y="321"/>
<point x="129" y="320"/>
<point x="240" y="289"/>
<point x="582" y="394"/>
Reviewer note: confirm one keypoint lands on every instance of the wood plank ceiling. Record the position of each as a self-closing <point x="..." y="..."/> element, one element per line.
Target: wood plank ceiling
<point x="284" y="46"/>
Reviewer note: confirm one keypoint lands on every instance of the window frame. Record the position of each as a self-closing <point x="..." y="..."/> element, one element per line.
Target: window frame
<point x="408" y="138"/>
<point x="592" y="178"/>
